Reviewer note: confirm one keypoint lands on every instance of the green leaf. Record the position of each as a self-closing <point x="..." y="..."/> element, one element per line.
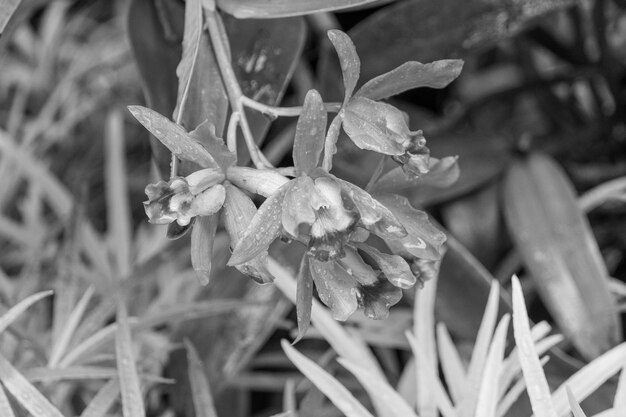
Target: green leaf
<point x="395" y="405"/>
<point x="411" y="75"/>
<point x="375" y="126"/>
<point x="173" y="136"/>
<point x="263" y="229"/>
<point x="7" y="8"/>
<point x="537" y="386"/>
<point x="26" y="394"/>
<point x="264" y="9"/>
<point x="103" y="400"/>
<point x="429" y="30"/>
<point x="192" y="35"/>
<point x="5" y="405"/>
<point x="310" y="133"/>
<point x="558" y="247"/>
<point x="200" y="388"/>
<point x="451" y="364"/>
<point x="202" y="238"/>
<point x="304" y="297"/>
<point x="576" y="410"/>
<point x="333" y="389"/>
<point x="348" y="59"/>
<point x="17" y="310"/>
<point x="423" y="239"/>
<point x="132" y="398"/>
<point x="443" y="173"/>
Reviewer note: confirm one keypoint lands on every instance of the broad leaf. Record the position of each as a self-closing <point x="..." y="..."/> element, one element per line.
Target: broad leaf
<point x="348" y="59"/>
<point x="310" y="133"/>
<point x="173" y="136"/>
<point x="411" y="75"/>
<point x="427" y="30"/>
<point x="255" y="9"/>
<point x="263" y="229"/>
<point x="558" y="247"/>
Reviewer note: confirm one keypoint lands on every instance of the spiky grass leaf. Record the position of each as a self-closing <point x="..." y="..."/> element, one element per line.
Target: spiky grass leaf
<point x="536" y="384"/>
<point x="200" y="389"/>
<point x="67" y="331"/>
<point x="451" y="364"/>
<point x="378" y="388"/>
<point x="25" y="393"/>
<point x="486" y="404"/>
<point x="103" y="400"/>
<point x="591" y="376"/>
<point x="132" y="402"/>
<point x="5" y="405"/>
<point x="326" y="383"/>
<point x="427" y="363"/>
<point x="119" y="220"/>
<point x="576" y="410"/>
<point x="304" y="297"/>
<point x="192" y="34"/>
<point x="479" y="355"/>
<point x="16" y="311"/>
<point x="512" y="395"/>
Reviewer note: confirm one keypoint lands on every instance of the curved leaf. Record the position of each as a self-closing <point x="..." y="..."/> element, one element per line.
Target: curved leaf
<point x="430" y="30"/>
<point x="348" y="59"/>
<point x="558" y="247"/>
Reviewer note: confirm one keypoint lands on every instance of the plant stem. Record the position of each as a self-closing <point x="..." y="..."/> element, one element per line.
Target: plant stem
<point x="219" y="41"/>
<point x="231" y="133"/>
<point x="274" y="112"/>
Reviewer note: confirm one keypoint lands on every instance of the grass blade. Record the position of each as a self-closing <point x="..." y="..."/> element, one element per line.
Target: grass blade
<point x="451" y="363"/>
<point x="67" y="331"/>
<point x="119" y="221"/>
<point x="487" y="401"/>
<point x="376" y="387"/>
<point x="426" y="364"/>
<point x="103" y="400"/>
<point x="132" y="403"/>
<point x="16" y="311"/>
<point x="576" y="410"/>
<point x="326" y="383"/>
<point x="5" y="405"/>
<point x="589" y="378"/>
<point x="536" y="384"/>
<point x="479" y="355"/>
<point x="24" y="392"/>
<point x="200" y="389"/>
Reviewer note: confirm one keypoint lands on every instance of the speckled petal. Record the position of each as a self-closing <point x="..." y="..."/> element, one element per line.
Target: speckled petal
<point x="395" y="268"/>
<point x="336" y="288"/>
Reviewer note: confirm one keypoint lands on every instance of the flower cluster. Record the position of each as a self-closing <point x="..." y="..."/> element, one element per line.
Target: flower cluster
<point x="363" y="246"/>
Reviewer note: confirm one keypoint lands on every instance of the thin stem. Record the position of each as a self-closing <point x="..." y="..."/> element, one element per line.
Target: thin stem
<point x="274" y="112"/>
<point x="330" y="145"/>
<point x="219" y="41"/>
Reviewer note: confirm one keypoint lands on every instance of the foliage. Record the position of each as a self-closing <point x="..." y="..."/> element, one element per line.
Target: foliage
<point x="380" y="169"/>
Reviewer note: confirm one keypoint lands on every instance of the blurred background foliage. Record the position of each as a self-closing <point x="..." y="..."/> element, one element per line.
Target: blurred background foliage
<point x="537" y="119"/>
